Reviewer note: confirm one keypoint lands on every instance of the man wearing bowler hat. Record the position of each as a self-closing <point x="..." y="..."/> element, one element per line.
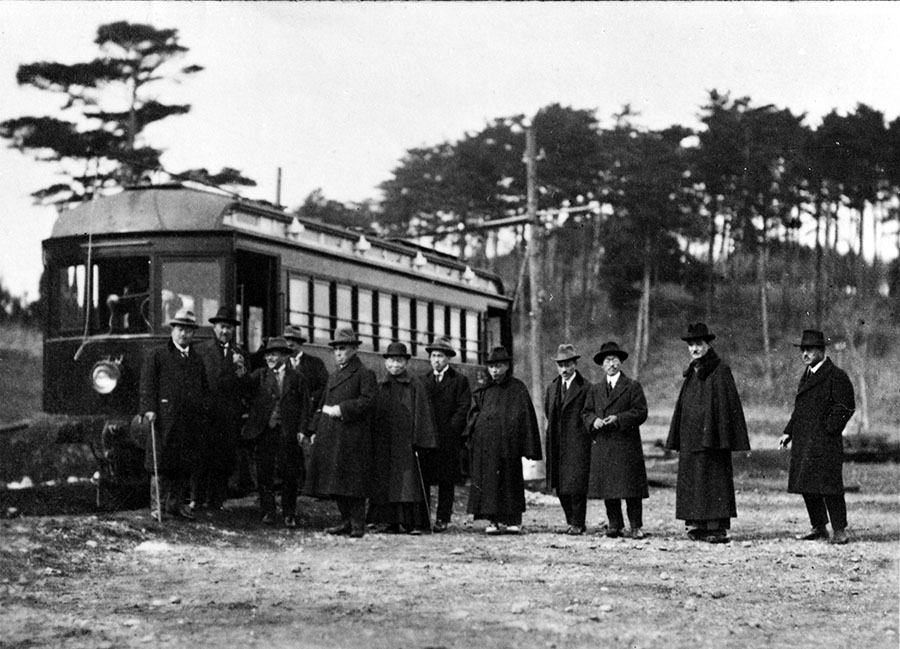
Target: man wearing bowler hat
<point x="276" y="423"/>
<point x="226" y="362"/>
<point x="613" y="411"/>
<point x="311" y="367"/>
<point x="450" y="396"/>
<point x="823" y="406"/>
<point x="342" y="447"/>
<point x="568" y="443"/>
<point x="502" y="429"/>
<point x="707" y="427"/>
<point x="175" y="399"/>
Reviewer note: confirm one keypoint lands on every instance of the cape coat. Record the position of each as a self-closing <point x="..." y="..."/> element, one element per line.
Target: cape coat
<point x="403" y="423"/>
<point x="502" y="429"/>
<point x="450" y="400"/>
<point x="822" y="408"/>
<point x="342" y="450"/>
<point x="707" y="426"/>
<point x="568" y="443"/>
<point x="226" y="402"/>
<point x="617" y="457"/>
<point x="175" y="388"/>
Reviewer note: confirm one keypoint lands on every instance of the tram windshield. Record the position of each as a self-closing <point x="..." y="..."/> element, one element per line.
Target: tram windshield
<point x="190" y="284"/>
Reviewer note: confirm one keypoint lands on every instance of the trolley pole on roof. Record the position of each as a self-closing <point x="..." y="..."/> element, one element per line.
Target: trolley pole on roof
<point x="534" y="470"/>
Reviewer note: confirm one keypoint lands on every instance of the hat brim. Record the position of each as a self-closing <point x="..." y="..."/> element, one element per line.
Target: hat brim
<point x="707" y="338"/>
<point x="352" y="343"/>
<point x="299" y="339"/>
<point x="563" y="359"/>
<point x="445" y="350"/>
<point x="599" y="357"/>
<point x="406" y="356"/>
<point x="819" y="345"/>
<point x="279" y="348"/>
<point x="182" y="323"/>
<point x="230" y="321"/>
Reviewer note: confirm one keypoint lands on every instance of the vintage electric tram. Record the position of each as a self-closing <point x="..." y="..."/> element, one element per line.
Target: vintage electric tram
<point x="118" y="267"/>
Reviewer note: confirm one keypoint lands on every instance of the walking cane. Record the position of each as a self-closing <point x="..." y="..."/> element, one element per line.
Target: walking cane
<point x="424" y="492"/>
<point x="155" y="471"/>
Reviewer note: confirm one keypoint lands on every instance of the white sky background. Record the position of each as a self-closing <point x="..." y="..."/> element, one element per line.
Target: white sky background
<point x="335" y="93"/>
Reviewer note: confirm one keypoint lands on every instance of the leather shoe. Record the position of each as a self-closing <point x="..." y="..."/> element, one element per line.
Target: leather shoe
<point x="815" y="534"/>
<point x="343" y="528"/>
<point x="840" y="537"/>
<point x="613" y="533"/>
<point x="268" y="519"/>
<point x="290" y="522"/>
<point x="637" y="533"/>
<point x="719" y="536"/>
<point x="575" y="530"/>
<point x="357" y="532"/>
<point x="440" y="526"/>
<point x="186" y="513"/>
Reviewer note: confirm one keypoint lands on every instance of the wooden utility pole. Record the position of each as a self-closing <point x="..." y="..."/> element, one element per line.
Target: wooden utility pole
<point x="535" y="271"/>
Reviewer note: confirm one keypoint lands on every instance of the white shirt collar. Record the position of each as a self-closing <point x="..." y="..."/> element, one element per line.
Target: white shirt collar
<point x="614" y="379"/>
<point x="183" y="350"/>
<point x="815" y="368"/>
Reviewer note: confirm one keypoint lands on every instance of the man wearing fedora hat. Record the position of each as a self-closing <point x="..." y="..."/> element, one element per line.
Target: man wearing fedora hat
<point x="342" y="448"/>
<point x="226" y="362"/>
<point x="568" y="444"/>
<point x="502" y="429"/>
<point x="450" y="396"/>
<point x="175" y="400"/>
<point x="823" y="406"/>
<point x="279" y="410"/>
<point x="613" y="411"/>
<point x="404" y="424"/>
<point x="311" y="367"/>
<point x="708" y="425"/>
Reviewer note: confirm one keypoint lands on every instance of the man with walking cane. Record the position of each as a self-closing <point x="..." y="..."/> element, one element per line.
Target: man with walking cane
<point x="174" y="400"/>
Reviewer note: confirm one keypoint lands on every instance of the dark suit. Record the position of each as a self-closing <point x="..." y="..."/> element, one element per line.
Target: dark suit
<point x="568" y="445"/>
<point x="822" y="408"/>
<point x="617" y="458"/>
<point x="226" y="409"/>
<point x="175" y="388"/>
<point x="313" y="370"/>
<point x="274" y="423"/>
<point x="450" y="400"/>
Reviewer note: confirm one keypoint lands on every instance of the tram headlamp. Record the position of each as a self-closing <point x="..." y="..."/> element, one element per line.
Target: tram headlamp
<point x="105" y="376"/>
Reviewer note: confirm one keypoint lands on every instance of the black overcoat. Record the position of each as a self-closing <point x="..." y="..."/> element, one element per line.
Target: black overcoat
<point x="450" y="400"/>
<point x="617" y="457"/>
<point x="707" y="426"/>
<point x="175" y="388"/>
<point x="822" y="408"/>
<point x="568" y="443"/>
<point x="293" y="403"/>
<point x="404" y="424"/>
<point x="342" y="450"/>
<point x="502" y="428"/>
<point x="313" y="370"/>
<point x="227" y="403"/>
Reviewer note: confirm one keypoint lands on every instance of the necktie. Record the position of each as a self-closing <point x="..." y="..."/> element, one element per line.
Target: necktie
<point x="184" y="353"/>
<point x="225" y="351"/>
<point x="609" y="388"/>
<point x="438" y="377"/>
<point x="807" y="374"/>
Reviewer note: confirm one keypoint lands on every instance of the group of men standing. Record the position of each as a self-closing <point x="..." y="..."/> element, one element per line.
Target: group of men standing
<point x="388" y="443"/>
<point x="594" y="445"/>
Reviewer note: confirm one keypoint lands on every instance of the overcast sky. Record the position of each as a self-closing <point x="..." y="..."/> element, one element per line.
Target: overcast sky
<point x="335" y="93"/>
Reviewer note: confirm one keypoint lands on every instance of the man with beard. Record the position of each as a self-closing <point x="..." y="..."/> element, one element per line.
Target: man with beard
<point x="404" y="424"/>
<point x="342" y="447"/>
<point x="613" y="411"/>
<point x="568" y="441"/>
<point x="450" y="397"/>
<point x="707" y="427"/>
<point x="502" y="429"/>
<point x="225" y="362"/>
<point x="823" y="406"/>
<point x="175" y="400"/>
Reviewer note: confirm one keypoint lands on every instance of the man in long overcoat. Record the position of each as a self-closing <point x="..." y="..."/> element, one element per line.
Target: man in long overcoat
<point x="279" y="410"/>
<point x="225" y="363"/>
<point x="568" y="443"/>
<point x="450" y="396"/>
<point x="613" y="411"/>
<point x="502" y="428"/>
<point x="822" y="408"/>
<point x="175" y="400"/>
<point x="707" y="427"/>
<point x="342" y="447"/>
<point x="404" y="424"/>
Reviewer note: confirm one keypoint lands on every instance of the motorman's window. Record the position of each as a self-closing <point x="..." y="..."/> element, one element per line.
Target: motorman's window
<point x="120" y="296"/>
<point x="194" y="285"/>
<point x="69" y="298"/>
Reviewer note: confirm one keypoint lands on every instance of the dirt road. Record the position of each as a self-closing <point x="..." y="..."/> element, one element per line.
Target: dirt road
<point x="121" y="580"/>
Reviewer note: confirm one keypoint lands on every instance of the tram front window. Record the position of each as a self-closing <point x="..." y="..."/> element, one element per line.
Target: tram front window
<point x="194" y="285"/>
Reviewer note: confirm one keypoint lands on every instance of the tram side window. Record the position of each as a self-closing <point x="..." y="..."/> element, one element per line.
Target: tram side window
<point x="385" y="320"/>
<point x="69" y="311"/>
<point x="404" y="321"/>
<point x="322" y="310"/>
<point x="456" y="325"/>
<point x="344" y="306"/>
<point x="120" y="295"/>
<point x="365" y="316"/>
<point x="194" y="285"/>
<point x="440" y="320"/>
<point x="298" y="295"/>
<point x="422" y="327"/>
<point x="470" y="344"/>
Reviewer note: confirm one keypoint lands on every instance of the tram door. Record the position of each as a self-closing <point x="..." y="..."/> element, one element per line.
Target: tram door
<point x="256" y="282"/>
